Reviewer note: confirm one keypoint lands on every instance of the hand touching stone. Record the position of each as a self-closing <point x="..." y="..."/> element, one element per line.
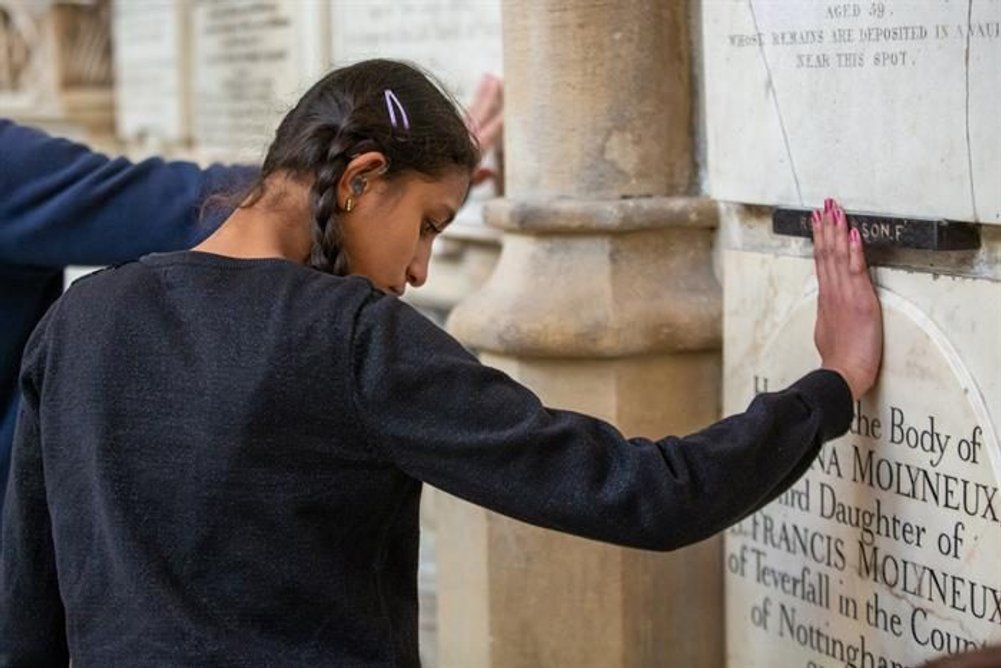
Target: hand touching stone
<point x="486" y="120"/>
<point x="849" y="329"/>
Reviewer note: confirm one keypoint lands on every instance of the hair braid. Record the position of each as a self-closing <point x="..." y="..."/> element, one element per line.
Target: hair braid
<point x="326" y="252"/>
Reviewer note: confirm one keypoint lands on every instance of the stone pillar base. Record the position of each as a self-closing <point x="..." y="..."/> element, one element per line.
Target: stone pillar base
<point x="516" y="595"/>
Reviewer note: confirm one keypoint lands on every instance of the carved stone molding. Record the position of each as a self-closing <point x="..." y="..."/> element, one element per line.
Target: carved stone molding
<point x="597" y="279"/>
<point x="55" y="64"/>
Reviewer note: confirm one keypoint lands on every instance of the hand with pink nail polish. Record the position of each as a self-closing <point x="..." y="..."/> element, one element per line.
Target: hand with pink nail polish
<point x="849" y="329"/>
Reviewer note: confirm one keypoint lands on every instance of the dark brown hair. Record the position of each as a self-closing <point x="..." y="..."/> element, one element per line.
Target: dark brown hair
<point x="374" y="105"/>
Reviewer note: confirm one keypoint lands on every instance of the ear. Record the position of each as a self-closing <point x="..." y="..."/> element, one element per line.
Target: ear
<point x="359" y="173"/>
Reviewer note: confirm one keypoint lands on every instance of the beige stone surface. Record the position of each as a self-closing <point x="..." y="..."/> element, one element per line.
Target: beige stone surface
<point x="456" y="41"/>
<point x="152" y="75"/>
<point x="900" y="517"/>
<point x="891" y="106"/>
<point x="252" y="61"/>
<point x="605" y="108"/>
<point x="55" y="70"/>
<point x="604" y="295"/>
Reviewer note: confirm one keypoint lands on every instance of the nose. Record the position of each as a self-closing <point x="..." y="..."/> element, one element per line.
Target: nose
<point x="417" y="270"/>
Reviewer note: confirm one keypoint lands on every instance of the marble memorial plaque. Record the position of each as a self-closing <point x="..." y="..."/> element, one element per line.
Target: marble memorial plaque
<point x="456" y="40"/>
<point x="888" y="551"/>
<point x="892" y="107"/>
<point x="253" y="59"/>
<point x="150" y="60"/>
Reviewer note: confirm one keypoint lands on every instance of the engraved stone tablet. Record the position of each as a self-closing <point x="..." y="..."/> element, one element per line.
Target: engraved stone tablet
<point x="892" y="107"/>
<point x="150" y="59"/>
<point x="252" y="61"/>
<point x="887" y="552"/>
<point x="456" y="40"/>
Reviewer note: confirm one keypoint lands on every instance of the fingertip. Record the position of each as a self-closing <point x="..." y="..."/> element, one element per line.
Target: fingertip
<point x="856" y="255"/>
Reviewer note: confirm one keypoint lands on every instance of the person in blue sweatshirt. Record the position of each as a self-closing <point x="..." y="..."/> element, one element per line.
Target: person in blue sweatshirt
<point x="220" y="451"/>
<point x="63" y="204"/>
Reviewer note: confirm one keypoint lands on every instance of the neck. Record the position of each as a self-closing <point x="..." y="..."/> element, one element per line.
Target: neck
<point x="276" y="225"/>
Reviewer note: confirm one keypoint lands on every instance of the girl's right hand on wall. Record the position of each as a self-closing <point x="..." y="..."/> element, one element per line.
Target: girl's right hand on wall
<point x="849" y="329"/>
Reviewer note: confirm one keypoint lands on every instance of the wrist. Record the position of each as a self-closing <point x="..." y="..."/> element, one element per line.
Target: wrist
<point x="855" y="385"/>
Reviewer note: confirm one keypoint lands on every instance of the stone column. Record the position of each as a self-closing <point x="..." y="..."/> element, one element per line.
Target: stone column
<point x="603" y="301"/>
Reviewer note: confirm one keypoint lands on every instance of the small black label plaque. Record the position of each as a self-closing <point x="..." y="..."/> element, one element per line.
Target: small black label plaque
<point x="922" y="233"/>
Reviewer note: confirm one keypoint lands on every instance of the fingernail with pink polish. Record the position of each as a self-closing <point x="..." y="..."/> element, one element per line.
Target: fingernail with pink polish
<point x="854" y="235"/>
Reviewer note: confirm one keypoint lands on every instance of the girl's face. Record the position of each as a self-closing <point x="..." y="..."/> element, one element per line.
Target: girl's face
<point x="387" y="236"/>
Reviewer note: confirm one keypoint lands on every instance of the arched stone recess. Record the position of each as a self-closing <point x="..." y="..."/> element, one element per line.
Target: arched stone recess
<point x="888" y="546"/>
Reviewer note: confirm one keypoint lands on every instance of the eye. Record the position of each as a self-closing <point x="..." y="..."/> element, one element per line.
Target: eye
<point x="431" y="227"/>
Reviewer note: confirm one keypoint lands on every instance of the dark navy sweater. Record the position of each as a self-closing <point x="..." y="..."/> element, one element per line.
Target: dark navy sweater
<point x="219" y="462"/>
<point x="62" y="204"/>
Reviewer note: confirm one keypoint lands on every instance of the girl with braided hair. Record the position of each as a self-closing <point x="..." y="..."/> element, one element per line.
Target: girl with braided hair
<point x="220" y="452"/>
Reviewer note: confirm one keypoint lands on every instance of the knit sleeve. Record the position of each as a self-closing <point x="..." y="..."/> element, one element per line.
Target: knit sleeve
<point x="32" y="619"/>
<point x="472" y="431"/>
<point x="65" y="204"/>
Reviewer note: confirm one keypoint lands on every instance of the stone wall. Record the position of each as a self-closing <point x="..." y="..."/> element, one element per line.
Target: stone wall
<point x="626" y="121"/>
<point x="886" y="553"/>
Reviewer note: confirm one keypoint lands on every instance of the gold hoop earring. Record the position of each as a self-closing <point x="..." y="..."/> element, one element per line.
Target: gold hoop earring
<point x="349" y="204"/>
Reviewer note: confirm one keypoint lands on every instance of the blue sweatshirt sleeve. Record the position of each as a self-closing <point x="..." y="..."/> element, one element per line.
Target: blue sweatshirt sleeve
<point x="61" y="203"/>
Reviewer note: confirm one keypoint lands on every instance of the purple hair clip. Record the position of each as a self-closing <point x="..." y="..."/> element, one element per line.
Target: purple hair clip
<point x="392" y="104"/>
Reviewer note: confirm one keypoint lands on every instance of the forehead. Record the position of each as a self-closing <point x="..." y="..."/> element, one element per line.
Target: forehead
<point x="448" y="189"/>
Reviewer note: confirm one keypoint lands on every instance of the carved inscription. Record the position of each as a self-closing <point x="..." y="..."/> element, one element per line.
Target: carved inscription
<point x="245" y="59"/>
<point x="857" y="35"/>
<point x="431" y="34"/>
<point x="889" y="106"/>
<point x="851" y="539"/>
<point x="885" y="553"/>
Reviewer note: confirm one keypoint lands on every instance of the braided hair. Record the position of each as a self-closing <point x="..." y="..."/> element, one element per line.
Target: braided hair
<point x="374" y="105"/>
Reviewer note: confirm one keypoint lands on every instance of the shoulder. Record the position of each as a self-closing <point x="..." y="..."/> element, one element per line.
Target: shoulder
<point x="391" y="331"/>
<point x="101" y="281"/>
